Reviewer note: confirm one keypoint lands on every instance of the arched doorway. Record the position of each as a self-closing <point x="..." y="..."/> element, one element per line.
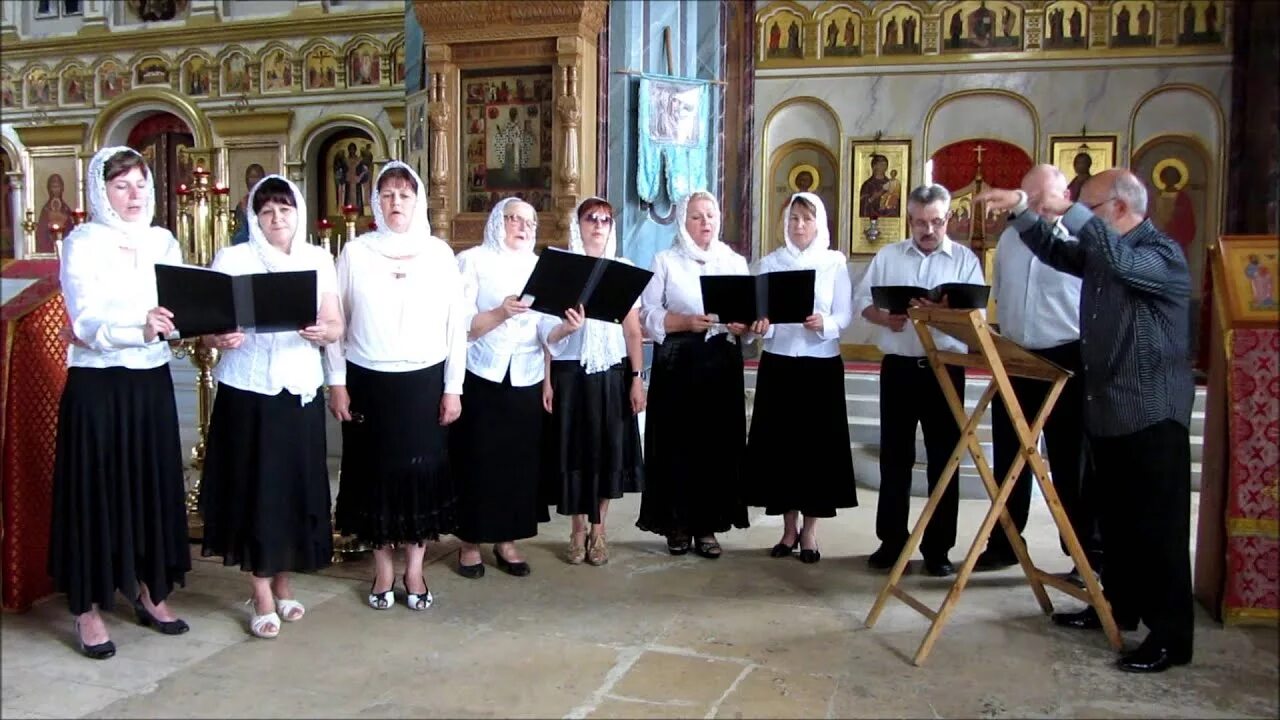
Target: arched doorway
<point x="967" y="166"/>
<point x="159" y="136"/>
<point x="7" y="239"/>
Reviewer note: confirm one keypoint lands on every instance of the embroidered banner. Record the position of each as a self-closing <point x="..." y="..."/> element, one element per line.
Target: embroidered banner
<point x="673" y="127"/>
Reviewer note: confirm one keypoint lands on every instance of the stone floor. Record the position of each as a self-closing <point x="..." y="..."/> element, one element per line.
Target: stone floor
<point x="648" y="635"/>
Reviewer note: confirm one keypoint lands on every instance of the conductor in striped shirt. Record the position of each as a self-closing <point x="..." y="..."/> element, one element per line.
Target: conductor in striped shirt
<point x="1134" y="338"/>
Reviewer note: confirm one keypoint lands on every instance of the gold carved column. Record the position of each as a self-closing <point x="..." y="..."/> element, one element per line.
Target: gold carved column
<point x="468" y="38"/>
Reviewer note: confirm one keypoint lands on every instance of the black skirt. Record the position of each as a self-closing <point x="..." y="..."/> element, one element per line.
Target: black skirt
<point x="264" y="496"/>
<point x="592" y="440"/>
<point x="396" y="485"/>
<point x="798" y="455"/>
<point x="496" y="450"/>
<point x="695" y="435"/>
<point x="119" y="516"/>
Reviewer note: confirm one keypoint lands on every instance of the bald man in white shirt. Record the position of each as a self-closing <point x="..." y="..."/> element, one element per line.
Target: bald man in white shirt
<point x="910" y="395"/>
<point x="1038" y="307"/>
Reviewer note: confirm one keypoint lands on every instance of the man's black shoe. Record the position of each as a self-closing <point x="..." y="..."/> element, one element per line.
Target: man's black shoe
<point x="991" y="560"/>
<point x="939" y="566"/>
<point x="884" y="557"/>
<point x="1151" y="658"/>
<point x="1087" y="619"/>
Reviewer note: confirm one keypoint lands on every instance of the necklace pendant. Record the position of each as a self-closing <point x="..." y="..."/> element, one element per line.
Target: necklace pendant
<point x="398" y="275"/>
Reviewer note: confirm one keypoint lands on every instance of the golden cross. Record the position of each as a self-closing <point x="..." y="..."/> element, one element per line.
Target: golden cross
<point x="979" y="150"/>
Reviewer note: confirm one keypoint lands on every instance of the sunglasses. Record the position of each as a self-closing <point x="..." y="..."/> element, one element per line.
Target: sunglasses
<point x="598" y="219"/>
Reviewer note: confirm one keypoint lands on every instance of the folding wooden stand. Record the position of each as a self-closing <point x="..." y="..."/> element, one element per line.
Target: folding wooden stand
<point x="1003" y="358"/>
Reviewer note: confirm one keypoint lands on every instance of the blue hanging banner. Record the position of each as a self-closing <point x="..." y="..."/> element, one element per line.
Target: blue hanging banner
<point x="673" y="124"/>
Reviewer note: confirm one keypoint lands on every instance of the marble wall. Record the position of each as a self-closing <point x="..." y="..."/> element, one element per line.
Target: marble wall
<point x="1023" y="103"/>
<point x="635" y="43"/>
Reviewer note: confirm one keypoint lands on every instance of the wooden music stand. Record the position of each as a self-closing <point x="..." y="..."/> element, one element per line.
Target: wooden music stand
<point x="1002" y="358"/>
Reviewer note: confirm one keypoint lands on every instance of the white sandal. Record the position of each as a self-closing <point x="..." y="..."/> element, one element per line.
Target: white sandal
<point x="383" y="600"/>
<point x="288" y="607"/>
<point x="415" y="601"/>
<point x="258" y="623"/>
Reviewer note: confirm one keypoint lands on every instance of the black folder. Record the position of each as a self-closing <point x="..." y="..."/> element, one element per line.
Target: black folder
<point x="785" y="296"/>
<point x="205" y="302"/>
<point x="897" y="298"/>
<point x="607" y="289"/>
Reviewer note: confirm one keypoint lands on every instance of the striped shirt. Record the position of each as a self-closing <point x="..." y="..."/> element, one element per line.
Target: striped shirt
<point x="1134" y="318"/>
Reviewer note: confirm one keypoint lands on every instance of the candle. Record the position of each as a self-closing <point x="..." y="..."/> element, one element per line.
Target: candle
<point x="182" y="189"/>
<point x="325" y="224"/>
<point x="348" y="208"/>
<point x="199" y="169"/>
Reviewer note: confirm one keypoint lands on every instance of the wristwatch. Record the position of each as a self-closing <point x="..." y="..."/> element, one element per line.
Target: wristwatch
<point x="635" y="373"/>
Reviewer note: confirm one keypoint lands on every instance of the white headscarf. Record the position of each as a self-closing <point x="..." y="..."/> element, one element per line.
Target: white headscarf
<point x="388" y="242"/>
<point x="685" y="243"/>
<point x="816" y="255"/>
<point x="602" y="345"/>
<point x="495" y="230"/>
<point x="271" y="256"/>
<point x="104" y="217"/>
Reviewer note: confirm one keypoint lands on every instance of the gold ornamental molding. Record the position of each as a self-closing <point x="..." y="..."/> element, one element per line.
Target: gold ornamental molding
<point x="141" y="97"/>
<point x="395" y="115"/>
<point x="226" y="32"/>
<point x="464" y="21"/>
<point x="47" y="135"/>
<point x="255" y="123"/>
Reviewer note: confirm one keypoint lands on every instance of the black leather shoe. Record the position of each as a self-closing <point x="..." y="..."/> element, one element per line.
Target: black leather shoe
<point x="939" y="566"/>
<point x="519" y="569"/>
<point x="782" y="550"/>
<point x="1087" y="619"/>
<point x="991" y="560"/>
<point x="810" y="556"/>
<point x="471" y="572"/>
<point x="168" y="627"/>
<point x="884" y="557"/>
<point x="101" y="651"/>
<point x="1151" y="658"/>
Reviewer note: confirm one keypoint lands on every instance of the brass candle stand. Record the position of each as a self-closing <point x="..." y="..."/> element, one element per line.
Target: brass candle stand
<point x="204" y="228"/>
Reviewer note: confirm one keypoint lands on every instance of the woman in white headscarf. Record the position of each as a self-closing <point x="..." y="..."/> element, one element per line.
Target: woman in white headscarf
<point x="594" y="392"/>
<point x="495" y="448"/>
<point x="695" y="429"/>
<point x="119" y="522"/>
<point x="798" y="458"/>
<point x="395" y="382"/>
<point x="264" y="496"/>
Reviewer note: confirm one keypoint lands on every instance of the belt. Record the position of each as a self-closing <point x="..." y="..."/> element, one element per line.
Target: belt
<point x="920" y="362"/>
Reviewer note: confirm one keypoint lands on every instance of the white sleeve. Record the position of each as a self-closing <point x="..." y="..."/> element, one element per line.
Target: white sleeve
<point x="87" y="297"/>
<point x="975" y="276"/>
<point x="460" y="312"/>
<point x="653" y="311"/>
<point x="470" y="289"/>
<point x="335" y="353"/>
<point x="841" y="306"/>
<point x="862" y="293"/>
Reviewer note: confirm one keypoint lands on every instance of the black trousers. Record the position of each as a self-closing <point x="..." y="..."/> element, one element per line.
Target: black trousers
<point x="1067" y="448"/>
<point x="910" y="395"/>
<point x="1145" y="488"/>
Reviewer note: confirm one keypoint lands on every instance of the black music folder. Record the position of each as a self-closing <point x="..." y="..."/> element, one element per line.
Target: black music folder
<point x="206" y="302"/>
<point x="607" y="289"/>
<point x="962" y="296"/>
<point x="785" y="296"/>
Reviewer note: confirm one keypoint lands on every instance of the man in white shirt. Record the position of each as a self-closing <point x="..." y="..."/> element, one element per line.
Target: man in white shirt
<point x="909" y="391"/>
<point x="1039" y="308"/>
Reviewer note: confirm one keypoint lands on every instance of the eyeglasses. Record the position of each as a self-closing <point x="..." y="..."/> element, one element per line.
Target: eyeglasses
<point x="527" y="222"/>
<point x="598" y="219"/>
<point x="1095" y="206"/>
<point x="936" y="223"/>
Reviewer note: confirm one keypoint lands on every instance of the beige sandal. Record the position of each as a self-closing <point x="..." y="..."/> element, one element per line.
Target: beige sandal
<point x="577" y="551"/>
<point x="597" y="550"/>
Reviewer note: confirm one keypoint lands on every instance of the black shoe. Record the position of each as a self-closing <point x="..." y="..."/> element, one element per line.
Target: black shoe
<point x="884" y="557"/>
<point x="1151" y="658"/>
<point x="471" y="572"/>
<point x="810" y="556"/>
<point x="1072" y="577"/>
<point x="1087" y="619"/>
<point x="782" y="550"/>
<point x="709" y="549"/>
<point x="677" y="544"/>
<point x="101" y="651"/>
<point x="519" y="569"/>
<point x="168" y="627"/>
<point x="939" y="566"/>
<point x="991" y="560"/>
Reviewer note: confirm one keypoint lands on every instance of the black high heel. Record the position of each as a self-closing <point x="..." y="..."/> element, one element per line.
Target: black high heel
<point x="101" y="651"/>
<point x="519" y="569"/>
<point x="168" y="627"/>
<point x="471" y="572"/>
<point x="782" y="550"/>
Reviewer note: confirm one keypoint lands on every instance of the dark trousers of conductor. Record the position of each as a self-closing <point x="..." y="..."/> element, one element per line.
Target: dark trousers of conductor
<point x="910" y="395"/>
<point x="1067" y="448"/>
<point x="1144" y="482"/>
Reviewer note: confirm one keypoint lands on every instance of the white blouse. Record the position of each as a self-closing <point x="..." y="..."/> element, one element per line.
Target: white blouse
<point x="401" y="315"/>
<point x="108" y="292"/>
<point x="902" y="263"/>
<point x="269" y="363"/>
<point x="488" y="277"/>
<point x="675" y="287"/>
<point x="832" y="299"/>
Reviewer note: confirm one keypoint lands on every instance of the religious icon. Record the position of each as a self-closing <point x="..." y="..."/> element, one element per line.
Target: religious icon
<point x="55" y="211"/>
<point x="843" y="35"/>
<point x="157" y="10"/>
<point x="983" y="26"/>
<point x="1198" y="23"/>
<point x="899" y="31"/>
<point x="507" y="141"/>
<point x="151" y="71"/>
<point x="397" y="66"/>
<point x="800" y="166"/>
<point x="321" y="69"/>
<point x="1080" y="157"/>
<point x="880" y="177"/>
<point x="1067" y="22"/>
<point x="10" y="91"/>
<point x="112" y="80"/>
<point x="39" y="91"/>
<point x="73" y="89"/>
<point x="199" y="76"/>
<point x="783" y="33"/>
<point x="1131" y="23"/>
<point x="351" y="163"/>
<point x="1250" y="264"/>
<point x="674" y="112"/>
<point x="277" y="72"/>
<point x="363" y="65"/>
<point x="235" y="74"/>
